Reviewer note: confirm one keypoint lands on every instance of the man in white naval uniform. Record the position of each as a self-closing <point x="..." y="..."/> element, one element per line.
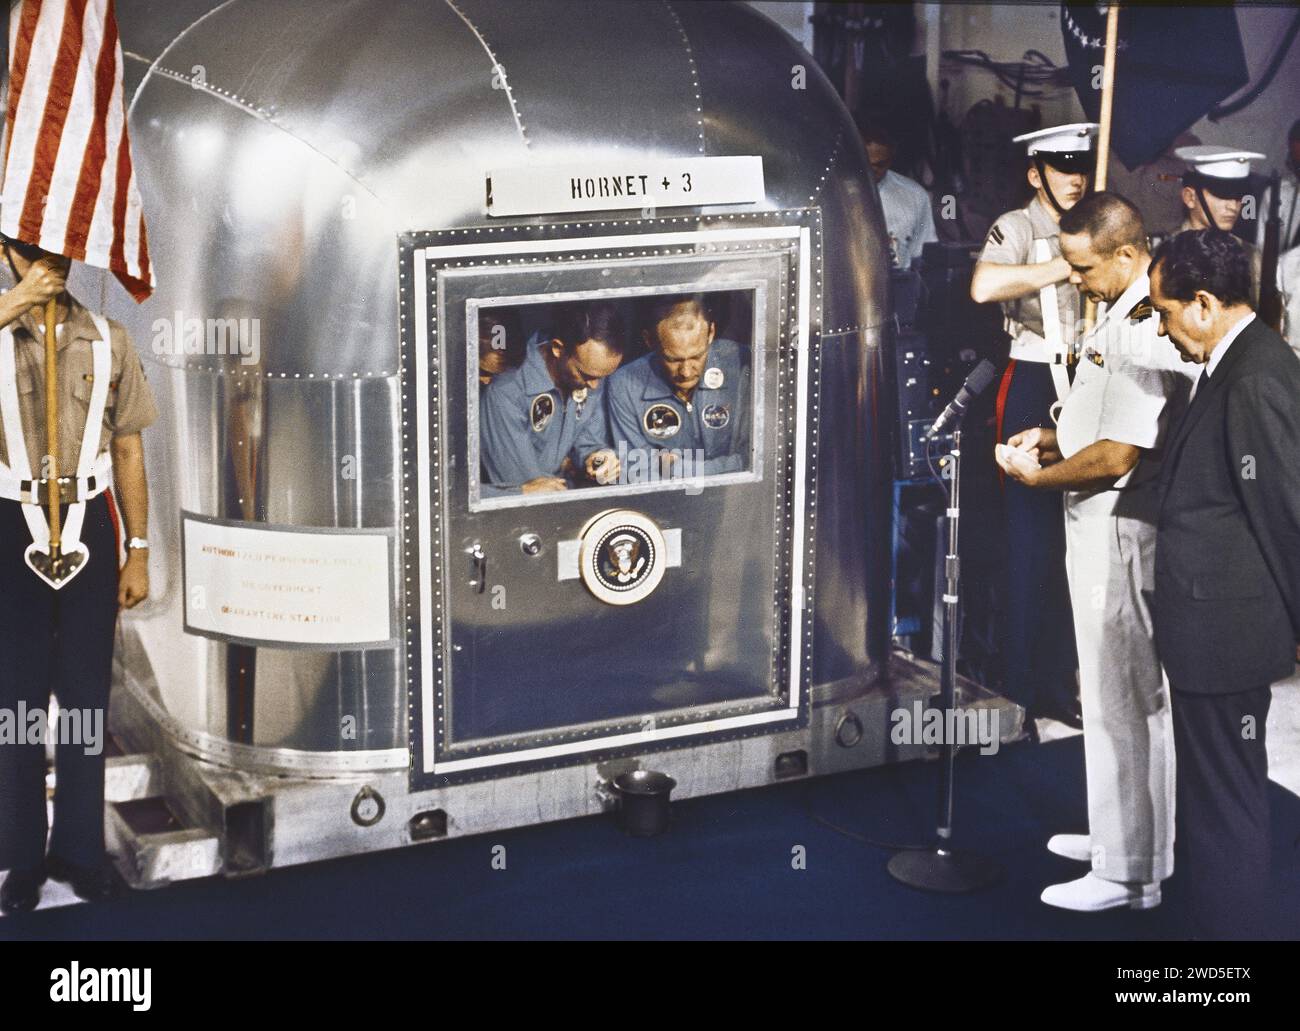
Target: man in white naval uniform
<point x="1131" y="385"/>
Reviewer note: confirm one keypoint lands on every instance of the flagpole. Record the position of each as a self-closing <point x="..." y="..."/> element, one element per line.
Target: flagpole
<point x="52" y="432"/>
<point x="1103" y="130"/>
<point x="1107" y="96"/>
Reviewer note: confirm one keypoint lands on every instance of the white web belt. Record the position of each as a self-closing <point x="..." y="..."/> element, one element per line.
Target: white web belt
<point x="94" y="471"/>
<point x="1050" y="349"/>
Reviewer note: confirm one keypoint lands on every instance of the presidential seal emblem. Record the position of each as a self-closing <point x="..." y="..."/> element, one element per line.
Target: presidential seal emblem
<point x="713" y="378"/>
<point x="662" y="421"/>
<point x="716" y="416"/>
<point x="543" y="408"/>
<point x="621" y="556"/>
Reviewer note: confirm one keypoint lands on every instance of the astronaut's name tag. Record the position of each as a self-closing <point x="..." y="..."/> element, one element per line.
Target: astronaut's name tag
<point x="713" y="379"/>
<point x="661" y="421"/>
<point x="542" y="410"/>
<point x="716" y="416"/>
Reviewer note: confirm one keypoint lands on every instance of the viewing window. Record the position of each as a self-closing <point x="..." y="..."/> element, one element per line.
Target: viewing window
<point x="612" y="391"/>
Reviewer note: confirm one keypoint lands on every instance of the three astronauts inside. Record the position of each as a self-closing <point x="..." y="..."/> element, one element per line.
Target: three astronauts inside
<point x="584" y="402"/>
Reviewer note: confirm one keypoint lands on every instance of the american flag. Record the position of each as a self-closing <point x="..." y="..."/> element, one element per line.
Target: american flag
<point x="68" y="183"/>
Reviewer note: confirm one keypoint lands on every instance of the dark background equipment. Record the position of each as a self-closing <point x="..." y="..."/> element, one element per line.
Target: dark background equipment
<point x="939" y="336"/>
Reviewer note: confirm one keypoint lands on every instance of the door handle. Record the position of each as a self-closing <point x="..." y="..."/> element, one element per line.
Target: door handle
<point x="478" y="560"/>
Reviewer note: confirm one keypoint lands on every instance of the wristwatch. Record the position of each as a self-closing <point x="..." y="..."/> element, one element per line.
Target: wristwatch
<point x="137" y="544"/>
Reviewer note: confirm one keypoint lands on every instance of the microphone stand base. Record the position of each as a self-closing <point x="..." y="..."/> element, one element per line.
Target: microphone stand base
<point x="944" y="870"/>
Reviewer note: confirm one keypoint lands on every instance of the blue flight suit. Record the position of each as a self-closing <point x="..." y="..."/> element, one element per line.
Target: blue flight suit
<point x="645" y="412"/>
<point x="527" y="427"/>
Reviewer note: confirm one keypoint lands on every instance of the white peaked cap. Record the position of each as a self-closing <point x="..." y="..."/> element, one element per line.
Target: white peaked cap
<point x="1219" y="162"/>
<point x="1060" y="139"/>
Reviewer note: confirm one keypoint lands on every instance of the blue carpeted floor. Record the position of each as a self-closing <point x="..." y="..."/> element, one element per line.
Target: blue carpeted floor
<point x="723" y="871"/>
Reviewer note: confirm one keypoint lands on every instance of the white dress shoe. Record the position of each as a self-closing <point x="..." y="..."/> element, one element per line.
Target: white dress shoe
<point x="1091" y="894"/>
<point x="1072" y="846"/>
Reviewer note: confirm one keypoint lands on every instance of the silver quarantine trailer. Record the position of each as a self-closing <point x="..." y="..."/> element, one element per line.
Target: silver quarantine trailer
<point x="356" y="641"/>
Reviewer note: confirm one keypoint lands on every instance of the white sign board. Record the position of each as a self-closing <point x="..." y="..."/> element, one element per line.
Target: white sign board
<point x="287" y="586"/>
<point x="616" y="185"/>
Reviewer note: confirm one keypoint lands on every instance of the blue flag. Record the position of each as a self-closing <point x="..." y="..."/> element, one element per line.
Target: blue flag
<point x="1172" y="66"/>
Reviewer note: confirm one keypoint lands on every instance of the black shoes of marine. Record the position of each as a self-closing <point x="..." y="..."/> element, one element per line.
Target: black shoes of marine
<point x="94" y="884"/>
<point x="21" y="890"/>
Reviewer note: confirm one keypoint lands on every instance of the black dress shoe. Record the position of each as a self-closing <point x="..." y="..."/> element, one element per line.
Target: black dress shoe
<point x="94" y="884"/>
<point x="1062" y="712"/>
<point x="21" y="890"/>
<point x="1061" y="705"/>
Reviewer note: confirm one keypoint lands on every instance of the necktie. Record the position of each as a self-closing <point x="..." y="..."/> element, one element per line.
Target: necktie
<point x="1200" y="384"/>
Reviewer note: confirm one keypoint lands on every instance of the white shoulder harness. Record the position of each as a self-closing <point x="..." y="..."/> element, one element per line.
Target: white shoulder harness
<point x="94" y="471"/>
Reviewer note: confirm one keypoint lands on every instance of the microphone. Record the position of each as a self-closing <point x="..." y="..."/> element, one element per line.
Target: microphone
<point x="981" y="377"/>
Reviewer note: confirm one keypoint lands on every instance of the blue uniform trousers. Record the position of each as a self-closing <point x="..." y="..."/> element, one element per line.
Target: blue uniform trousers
<point x="61" y="642"/>
<point x="1038" y="628"/>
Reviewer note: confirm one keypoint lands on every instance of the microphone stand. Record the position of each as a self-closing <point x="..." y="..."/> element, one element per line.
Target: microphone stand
<point x="942" y="868"/>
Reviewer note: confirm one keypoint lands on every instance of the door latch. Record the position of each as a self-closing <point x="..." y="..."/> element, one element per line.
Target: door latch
<point x="478" y="557"/>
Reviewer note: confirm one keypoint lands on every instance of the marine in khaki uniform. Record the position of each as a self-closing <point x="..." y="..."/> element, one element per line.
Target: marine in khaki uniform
<point x="61" y="640"/>
<point x="1130" y="387"/>
<point x="1215" y="184"/>
<point x="1021" y="268"/>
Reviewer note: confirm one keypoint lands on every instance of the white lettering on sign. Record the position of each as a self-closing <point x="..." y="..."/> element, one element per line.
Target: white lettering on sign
<point x="267" y="584"/>
<point x="685" y="182"/>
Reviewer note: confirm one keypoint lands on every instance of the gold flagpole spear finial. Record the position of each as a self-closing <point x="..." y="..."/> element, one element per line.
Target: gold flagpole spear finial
<point x="1103" y="130"/>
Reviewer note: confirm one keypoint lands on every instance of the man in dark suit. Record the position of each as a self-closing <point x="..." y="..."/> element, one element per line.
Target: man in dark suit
<point x="1227" y="571"/>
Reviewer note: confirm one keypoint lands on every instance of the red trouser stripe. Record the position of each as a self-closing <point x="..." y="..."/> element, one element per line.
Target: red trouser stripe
<point x="1003" y="389"/>
<point x="117" y="523"/>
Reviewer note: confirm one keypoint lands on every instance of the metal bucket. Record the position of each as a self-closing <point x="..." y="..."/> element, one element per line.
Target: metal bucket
<point x="644" y="801"/>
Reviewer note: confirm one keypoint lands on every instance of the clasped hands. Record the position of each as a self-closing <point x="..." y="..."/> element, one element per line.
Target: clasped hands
<point x="1025" y="453"/>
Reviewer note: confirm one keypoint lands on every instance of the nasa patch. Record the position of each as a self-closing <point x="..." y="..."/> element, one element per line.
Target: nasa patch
<point x="543" y="408"/>
<point x="716" y="416"/>
<point x="662" y="421"/>
<point x="713" y="379"/>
